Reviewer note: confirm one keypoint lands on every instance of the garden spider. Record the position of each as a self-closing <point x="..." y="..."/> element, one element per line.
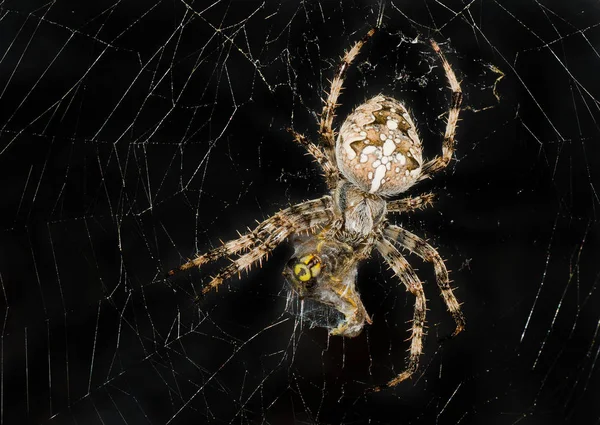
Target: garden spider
<point x="377" y="155"/>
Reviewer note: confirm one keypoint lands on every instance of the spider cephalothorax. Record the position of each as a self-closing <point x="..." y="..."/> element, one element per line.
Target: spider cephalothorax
<point x="376" y="155"/>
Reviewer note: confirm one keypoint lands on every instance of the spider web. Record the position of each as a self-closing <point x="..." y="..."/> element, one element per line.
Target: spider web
<point x="134" y="134"/>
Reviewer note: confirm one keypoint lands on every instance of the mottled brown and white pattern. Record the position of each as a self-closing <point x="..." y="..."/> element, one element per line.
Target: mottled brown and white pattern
<point x="376" y="155"/>
<point x="378" y="148"/>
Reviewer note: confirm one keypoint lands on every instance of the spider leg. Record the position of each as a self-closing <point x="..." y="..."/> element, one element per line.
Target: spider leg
<point x="334" y="92"/>
<point x="428" y="253"/>
<point x="440" y="162"/>
<point x="265" y="238"/>
<point x="256" y="254"/>
<point x="329" y="169"/>
<point x="408" y="276"/>
<point x="411" y="204"/>
<point x="300" y="217"/>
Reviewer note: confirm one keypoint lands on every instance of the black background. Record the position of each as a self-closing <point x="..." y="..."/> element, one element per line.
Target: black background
<point x="134" y="134"/>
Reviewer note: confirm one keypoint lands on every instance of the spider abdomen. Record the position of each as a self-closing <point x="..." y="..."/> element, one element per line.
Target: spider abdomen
<point x="378" y="148"/>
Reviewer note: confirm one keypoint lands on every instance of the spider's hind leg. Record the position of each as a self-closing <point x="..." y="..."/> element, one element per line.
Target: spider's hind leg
<point x="325" y="162"/>
<point x="324" y="153"/>
<point x="441" y="162"/>
<point x="336" y="88"/>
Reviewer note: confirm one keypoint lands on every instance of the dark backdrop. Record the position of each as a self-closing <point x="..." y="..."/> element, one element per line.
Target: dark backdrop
<point x="134" y="134"/>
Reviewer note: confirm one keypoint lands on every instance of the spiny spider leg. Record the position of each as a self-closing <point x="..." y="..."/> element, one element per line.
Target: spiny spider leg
<point x="325" y="156"/>
<point x="418" y="246"/>
<point x="300" y="217"/>
<point x="331" y="172"/>
<point x="409" y="204"/>
<point x="440" y="162"/>
<point x="334" y="92"/>
<point x="408" y="276"/>
<point x="245" y="261"/>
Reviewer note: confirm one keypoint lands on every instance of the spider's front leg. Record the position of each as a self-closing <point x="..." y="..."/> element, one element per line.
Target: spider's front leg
<point x="408" y="276"/>
<point x="428" y="253"/>
<point x="264" y="238"/>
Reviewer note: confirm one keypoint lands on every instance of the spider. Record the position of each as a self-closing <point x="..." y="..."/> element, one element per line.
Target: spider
<point x="377" y="155"/>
